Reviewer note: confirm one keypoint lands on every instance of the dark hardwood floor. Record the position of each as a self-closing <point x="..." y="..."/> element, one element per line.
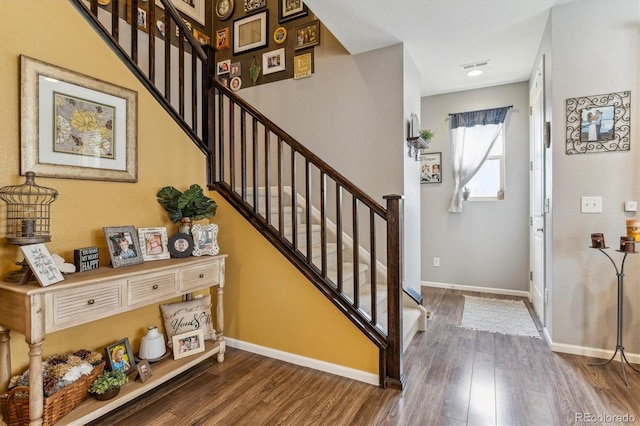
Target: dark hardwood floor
<point x="455" y="377"/>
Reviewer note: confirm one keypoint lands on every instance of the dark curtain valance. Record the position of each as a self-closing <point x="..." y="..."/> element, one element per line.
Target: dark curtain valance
<point x="482" y="117"/>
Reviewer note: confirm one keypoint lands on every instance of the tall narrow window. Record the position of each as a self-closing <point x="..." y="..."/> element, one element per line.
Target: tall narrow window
<point x="473" y="138"/>
<point x="488" y="182"/>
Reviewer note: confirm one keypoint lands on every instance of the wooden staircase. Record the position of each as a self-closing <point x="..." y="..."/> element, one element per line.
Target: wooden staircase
<point x="414" y="315"/>
<point x="346" y="244"/>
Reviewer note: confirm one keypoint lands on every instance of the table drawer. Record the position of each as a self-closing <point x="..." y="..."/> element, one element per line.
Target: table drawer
<point x="152" y="288"/>
<point x="84" y="304"/>
<point x="200" y="276"/>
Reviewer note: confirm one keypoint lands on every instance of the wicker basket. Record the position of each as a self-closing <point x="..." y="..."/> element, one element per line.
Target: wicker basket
<point x="15" y="403"/>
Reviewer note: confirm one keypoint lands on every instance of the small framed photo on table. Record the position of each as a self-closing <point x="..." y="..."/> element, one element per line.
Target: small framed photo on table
<point x="188" y="343"/>
<point x="123" y="244"/>
<point x="120" y="356"/>
<point x="144" y="370"/>
<point x="154" y="243"/>
<point x="205" y="239"/>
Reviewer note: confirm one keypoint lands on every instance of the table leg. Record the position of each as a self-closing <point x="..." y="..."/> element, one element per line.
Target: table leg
<point x="220" y="324"/>
<point x="36" y="394"/>
<point x="5" y="358"/>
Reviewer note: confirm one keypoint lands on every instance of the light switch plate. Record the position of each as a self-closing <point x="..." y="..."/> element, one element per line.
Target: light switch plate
<point x="590" y="204"/>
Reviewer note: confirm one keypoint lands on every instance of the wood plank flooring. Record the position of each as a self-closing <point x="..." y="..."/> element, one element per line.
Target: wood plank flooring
<point x="455" y="377"/>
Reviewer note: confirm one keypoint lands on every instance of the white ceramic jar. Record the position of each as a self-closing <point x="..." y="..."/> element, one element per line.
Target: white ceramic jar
<point x="152" y="345"/>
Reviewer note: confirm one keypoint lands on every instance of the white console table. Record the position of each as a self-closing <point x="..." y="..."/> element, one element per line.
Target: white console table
<point x="101" y="293"/>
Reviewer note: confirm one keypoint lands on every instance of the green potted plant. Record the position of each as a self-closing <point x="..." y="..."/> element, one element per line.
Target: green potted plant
<point x="426" y="135"/>
<point x="186" y="206"/>
<point x="108" y="384"/>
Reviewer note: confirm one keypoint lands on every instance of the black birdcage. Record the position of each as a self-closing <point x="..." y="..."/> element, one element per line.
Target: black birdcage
<point x="28" y="212"/>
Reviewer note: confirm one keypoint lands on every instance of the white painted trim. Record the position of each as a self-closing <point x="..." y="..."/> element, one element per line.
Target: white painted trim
<point x="593" y="352"/>
<point x="506" y="292"/>
<point x="327" y="367"/>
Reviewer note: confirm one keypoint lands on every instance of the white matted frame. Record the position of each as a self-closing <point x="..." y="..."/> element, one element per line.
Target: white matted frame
<point x="154" y="243"/>
<point x="74" y="126"/>
<point x="188" y="343"/>
<point x="250" y="33"/>
<point x="192" y="8"/>
<point x="205" y="239"/>
<point x="431" y="167"/>
<point x="273" y="61"/>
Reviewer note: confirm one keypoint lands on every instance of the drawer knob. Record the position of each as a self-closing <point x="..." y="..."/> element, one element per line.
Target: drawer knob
<point x="91" y="301"/>
<point x="155" y="286"/>
<point x="201" y="275"/>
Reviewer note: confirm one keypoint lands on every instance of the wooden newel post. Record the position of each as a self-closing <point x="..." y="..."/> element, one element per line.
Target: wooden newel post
<point x="395" y="375"/>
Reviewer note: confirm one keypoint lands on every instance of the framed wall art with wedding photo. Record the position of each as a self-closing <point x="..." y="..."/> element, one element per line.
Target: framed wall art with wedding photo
<point x="250" y="33"/>
<point x="75" y="126"/>
<point x="431" y="167"/>
<point x="154" y="243"/>
<point x="124" y="246"/>
<point x="599" y="123"/>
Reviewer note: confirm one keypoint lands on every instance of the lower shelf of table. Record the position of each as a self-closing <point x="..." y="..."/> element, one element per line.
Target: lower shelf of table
<point x="162" y="371"/>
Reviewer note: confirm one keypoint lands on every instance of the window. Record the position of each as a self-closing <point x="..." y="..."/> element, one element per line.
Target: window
<point x="488" y="182"/>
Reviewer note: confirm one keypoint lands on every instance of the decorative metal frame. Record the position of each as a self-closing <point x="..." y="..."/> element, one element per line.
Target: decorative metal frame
<point x="619" y="140"/>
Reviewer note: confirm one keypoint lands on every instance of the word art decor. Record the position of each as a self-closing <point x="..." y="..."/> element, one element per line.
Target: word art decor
<point x="598" y="123"/>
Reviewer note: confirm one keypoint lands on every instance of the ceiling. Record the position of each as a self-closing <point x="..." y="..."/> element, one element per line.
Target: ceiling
<point x="442" y="35"/>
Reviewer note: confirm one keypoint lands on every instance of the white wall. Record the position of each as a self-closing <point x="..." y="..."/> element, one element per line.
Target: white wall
<point x="595" y="51"/>
<point x="487" y="244"/>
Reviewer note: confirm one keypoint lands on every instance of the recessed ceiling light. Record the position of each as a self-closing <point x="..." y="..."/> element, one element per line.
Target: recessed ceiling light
<point x="474" y="73"/>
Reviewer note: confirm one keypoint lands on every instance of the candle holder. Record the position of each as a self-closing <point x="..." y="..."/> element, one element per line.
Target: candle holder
<point x="625" y="243"/>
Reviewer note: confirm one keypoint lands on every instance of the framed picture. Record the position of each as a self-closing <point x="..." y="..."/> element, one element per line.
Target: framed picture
<point x="42" y="264"/>
<point x="236" y="69"/>
<point x="291" y="9"/>
<point x="124" y="248"/>
<point x="280" y="35"/>
<point x="222" y="39"/>
<point x="599" y="123"/>
<point x="273" y="61"/>
<point x="154" y="243"/>
<point x="201" y="37"/>
<point x="144" y="370"/>
<point x="52" y="101"/>
<point x="205" y="239"/>
<point x="251" y="5"/>
<point x="223" y="67"/>
<point x="192" y="8"/>
<point x="224" y="9"/>
<point x="302" y="66"/>
<point x="180" y="245"/>
<point x="187" y="344"/>
<point x="119" y="356"/>
<point x="140" y="16"/>
<point x="236" y="83"/>
<point x="307" y="35"/>
<point x="250" y="33"/>
<point x="431" y="167"/>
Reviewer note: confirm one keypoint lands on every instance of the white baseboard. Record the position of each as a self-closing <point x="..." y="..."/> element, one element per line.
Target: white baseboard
<point x="327" y="367"/>
<point x="593" y="352"/>
<point x="492" y="290"/>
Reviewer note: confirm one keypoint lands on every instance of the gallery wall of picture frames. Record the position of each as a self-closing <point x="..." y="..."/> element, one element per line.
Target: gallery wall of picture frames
<point x="260" y="41"/>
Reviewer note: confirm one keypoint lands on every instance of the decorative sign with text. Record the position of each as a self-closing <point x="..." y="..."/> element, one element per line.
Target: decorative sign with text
<point x="86" y="258"/>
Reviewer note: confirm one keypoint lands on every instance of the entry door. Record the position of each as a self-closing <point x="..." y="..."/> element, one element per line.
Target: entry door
<point x="537" y="194"/>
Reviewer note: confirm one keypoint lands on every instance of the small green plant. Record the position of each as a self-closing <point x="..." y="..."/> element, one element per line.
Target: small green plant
<point x="108" y="380"/>
<point x="426" y="134"/>
<point x="191" y="203"/>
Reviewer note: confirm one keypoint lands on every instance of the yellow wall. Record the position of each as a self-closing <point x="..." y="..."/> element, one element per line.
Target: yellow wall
<point x="267" y="301"/>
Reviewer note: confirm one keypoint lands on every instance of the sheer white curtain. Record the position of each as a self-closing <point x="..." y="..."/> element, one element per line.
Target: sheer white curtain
<point x="472" y="136"/>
